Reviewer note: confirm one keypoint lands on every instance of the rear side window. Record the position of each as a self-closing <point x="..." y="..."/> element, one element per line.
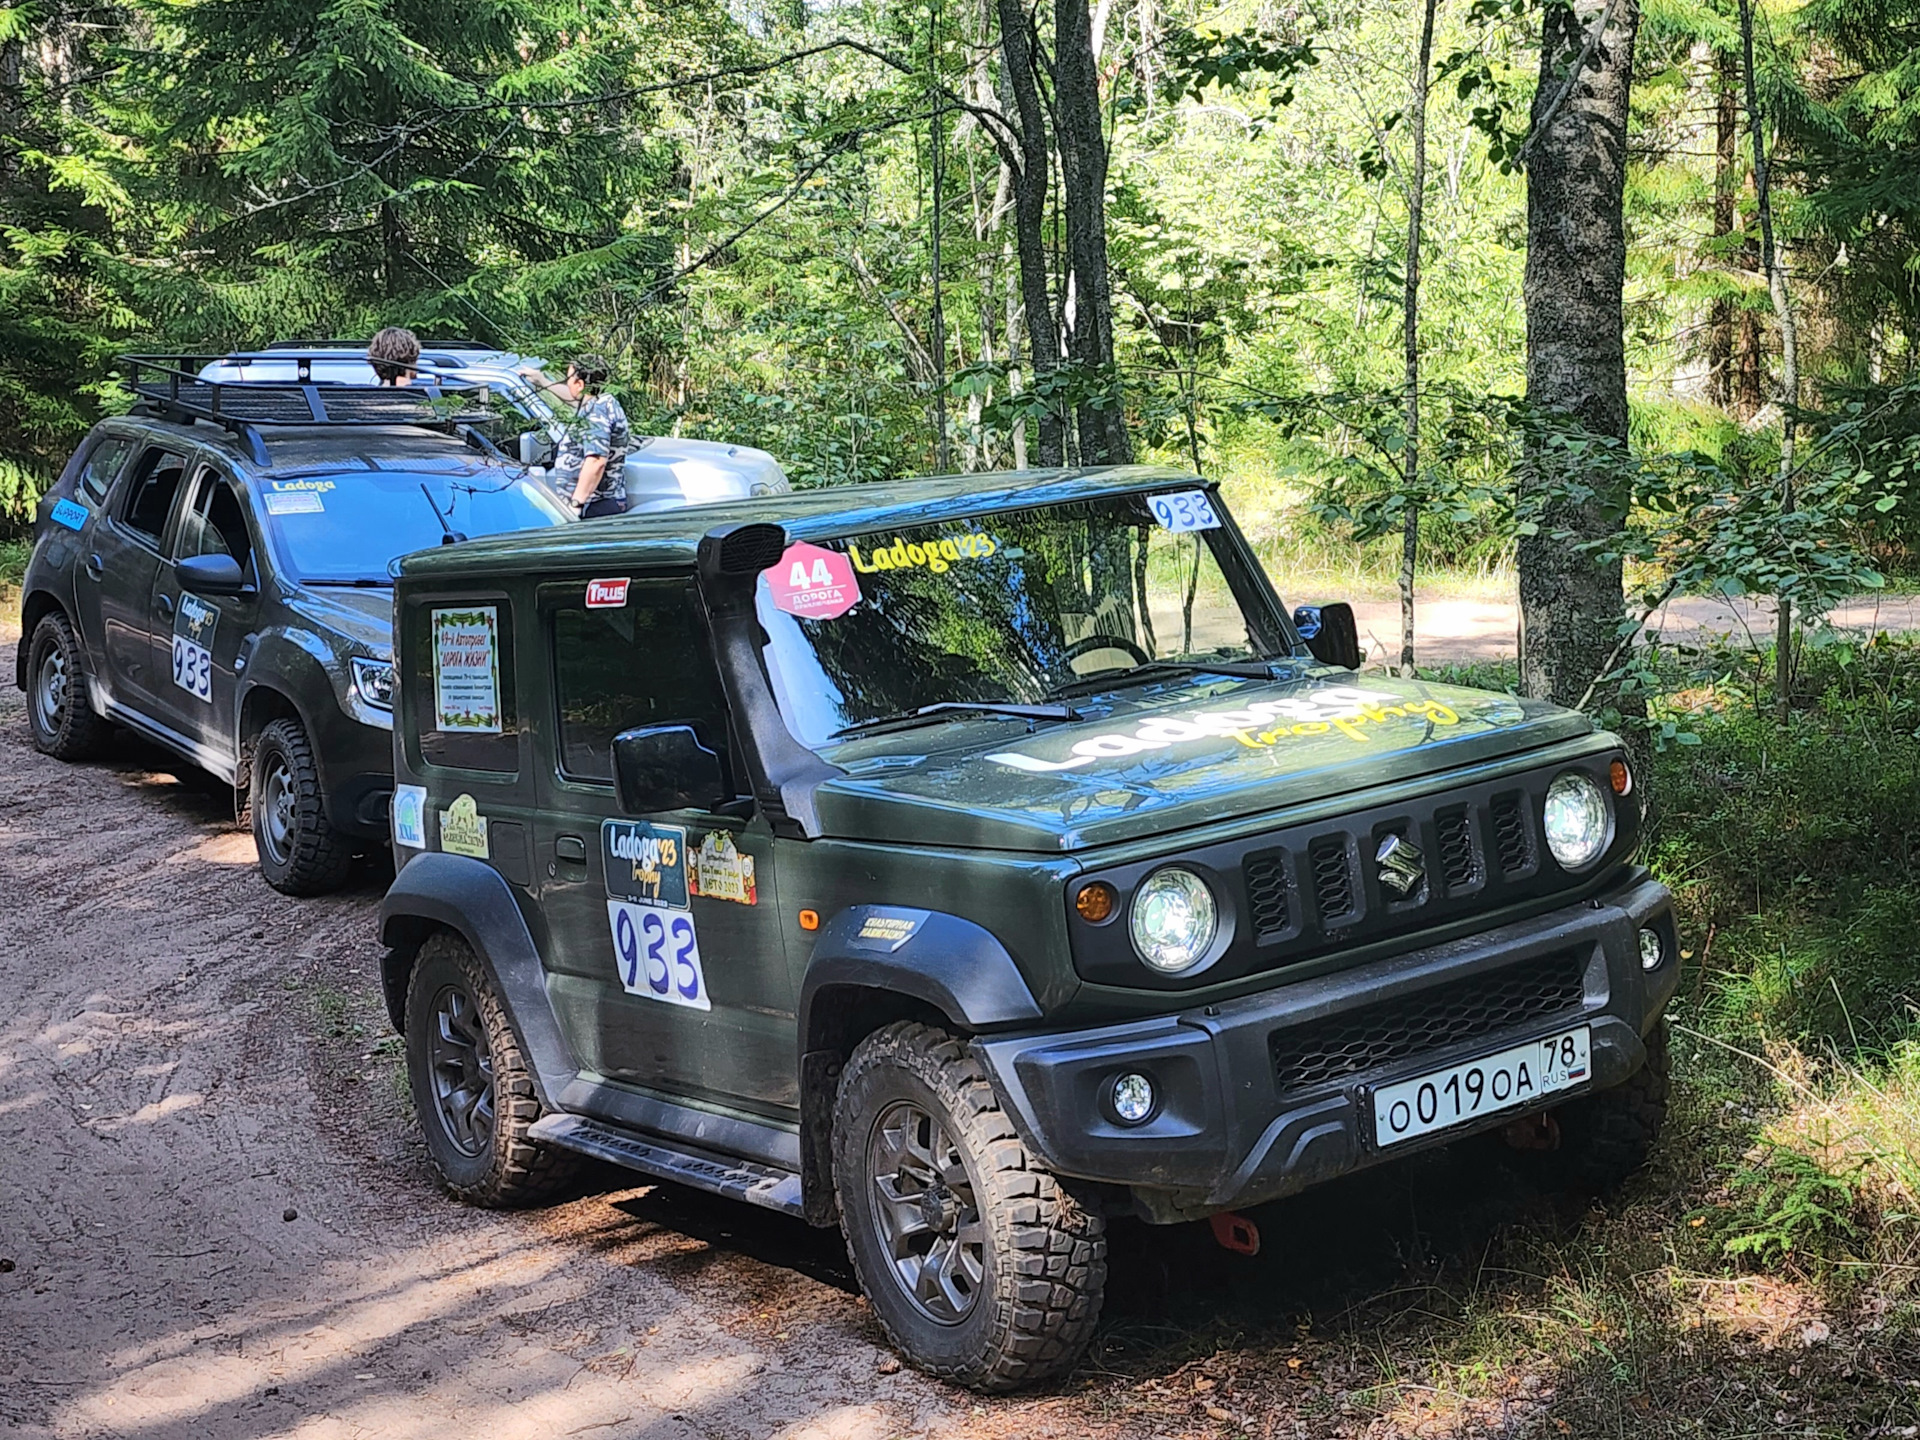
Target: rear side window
<point x="459" y="684"/>
<point x="150" y="496"/>
<point x="103" y="468"/>
<point x="643" y="663"/>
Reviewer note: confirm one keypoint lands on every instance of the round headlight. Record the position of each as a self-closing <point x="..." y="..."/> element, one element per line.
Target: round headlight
<point x="1173" y="919"/>
<point x="1576" y="820"/>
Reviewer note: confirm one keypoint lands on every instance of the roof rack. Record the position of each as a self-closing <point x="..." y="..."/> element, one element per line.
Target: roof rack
<point x="170" y="387"/>
<point x="450" y="343"/>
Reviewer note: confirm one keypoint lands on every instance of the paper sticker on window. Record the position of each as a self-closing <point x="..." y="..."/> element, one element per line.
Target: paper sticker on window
<point x="813" y="583"/>
<point x="1187" y="510"/>
<point x="644" y="863"/>
<point x="295" y="502"/>
<point x="466" y="670"/>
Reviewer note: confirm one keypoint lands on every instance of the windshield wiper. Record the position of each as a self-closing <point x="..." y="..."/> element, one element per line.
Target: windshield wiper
<point x="932" y="714"/>
<point x="357" y="584"/>
<point x="1160" y="669"/>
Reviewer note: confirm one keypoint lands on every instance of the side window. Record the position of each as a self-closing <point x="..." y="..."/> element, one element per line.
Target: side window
<point x="103" y="468"/>
<point x="150" y="496"/>
<point x="214" y="522"/>
<point x="643" y="663"/>
<point x="458" y="684"/>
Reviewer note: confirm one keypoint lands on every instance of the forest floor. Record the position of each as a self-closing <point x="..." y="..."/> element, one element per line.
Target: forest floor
<point x="217" y="1220"/>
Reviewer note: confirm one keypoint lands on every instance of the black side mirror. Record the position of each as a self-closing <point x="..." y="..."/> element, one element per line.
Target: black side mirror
<point x="665" y="767"/>
<point x="1331" y="634"/>
<point x="536" y="447"/>
<point x="211" y="574"/>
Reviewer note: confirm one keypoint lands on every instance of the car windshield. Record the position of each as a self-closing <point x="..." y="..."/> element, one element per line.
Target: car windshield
<point x="344" y="527"/>
<point x="1027" y="607"/>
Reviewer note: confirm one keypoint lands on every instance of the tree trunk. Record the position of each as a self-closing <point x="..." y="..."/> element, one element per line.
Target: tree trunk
<point x="1571" y="603"/>
<point x="1083" y="171"/>
<point x="1030" y="189"/>
<point x="1726" y="153"/>
<point x="1410" y="334"/>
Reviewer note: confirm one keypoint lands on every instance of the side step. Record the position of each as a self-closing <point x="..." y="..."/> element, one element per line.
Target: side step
<point x="736" y="1179"/>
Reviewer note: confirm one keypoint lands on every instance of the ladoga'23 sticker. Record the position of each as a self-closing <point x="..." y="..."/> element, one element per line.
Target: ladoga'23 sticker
<point x="193" y="626"/>
<point x="656" y="950"/>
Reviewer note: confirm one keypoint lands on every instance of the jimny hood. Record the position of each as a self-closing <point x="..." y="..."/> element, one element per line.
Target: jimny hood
<point x="1167" y="756"/>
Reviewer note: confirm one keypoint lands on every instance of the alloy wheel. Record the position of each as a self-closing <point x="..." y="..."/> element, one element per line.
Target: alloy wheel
<point x="925" y="1214"/>
<point x="461" y="1065"/>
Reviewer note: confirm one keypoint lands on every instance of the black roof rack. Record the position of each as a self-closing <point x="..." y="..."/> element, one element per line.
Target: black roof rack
<point x="450" y="343"/>
<point x="170" y="388"/>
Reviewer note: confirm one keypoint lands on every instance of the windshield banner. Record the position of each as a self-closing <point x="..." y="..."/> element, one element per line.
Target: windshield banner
<point x="812" y="583"/>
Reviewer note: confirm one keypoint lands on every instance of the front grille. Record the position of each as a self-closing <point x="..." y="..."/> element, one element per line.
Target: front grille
<point x="1332" y="877"/>
<point x="1510" y="835"/>
<point x="1459" y="866"/>
<point x="1267" y="893"/>
<point x="1358" y="1040"/>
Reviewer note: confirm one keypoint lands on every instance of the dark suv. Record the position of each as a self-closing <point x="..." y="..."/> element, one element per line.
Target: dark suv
<point x="210" y="571"/>
<point x="966" y="861"/>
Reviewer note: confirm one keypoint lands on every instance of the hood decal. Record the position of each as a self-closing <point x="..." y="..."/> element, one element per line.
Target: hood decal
<point x="1345" y="709"/>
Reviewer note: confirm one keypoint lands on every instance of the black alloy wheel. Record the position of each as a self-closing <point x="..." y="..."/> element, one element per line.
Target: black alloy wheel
<point x="926" y="1218"/>
<point x="462" y="1069"/>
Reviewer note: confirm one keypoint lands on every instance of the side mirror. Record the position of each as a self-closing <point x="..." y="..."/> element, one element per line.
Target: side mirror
<point x="665" y="767"/>
<point x="211" y="574"/>
<point x="536" y="447"/>
<point x="1331" y="634"/>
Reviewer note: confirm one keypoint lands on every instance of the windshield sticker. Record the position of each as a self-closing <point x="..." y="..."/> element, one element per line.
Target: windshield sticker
<point x="720" y="872"/>
<point x="299" y="487"/>
<point x="812" y="583"/>
<point x="193" y="625"/>
<point x="888" y="930"/>
<point x="410" y="816"/>
<point x="936" y="555"/>
<point x="466" y="671"/>
<point x="607" y="594"/>
<point x="657" y="954"/>
<point x="644" y="863"/>
<point x="463" y="829"/>
<point x="299" y="502"/>
<point x="70" y="513"/>
<point x="1187" y="510"/>
<point x="1344" y="709"/>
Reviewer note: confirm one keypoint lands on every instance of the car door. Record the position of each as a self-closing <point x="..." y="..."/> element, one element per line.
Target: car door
<point x="203" y="633"/>
<point x="118" y="566"/>
<point x="665" y="955"/>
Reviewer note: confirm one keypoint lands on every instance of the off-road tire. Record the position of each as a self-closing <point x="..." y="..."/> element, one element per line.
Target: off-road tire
<point x="300" y="851"/>
<point x="1044" y="1258"/>
<point x="507" y="1170"/>
<point x="63" y="723"/>
<point x="1607" y="1136"/>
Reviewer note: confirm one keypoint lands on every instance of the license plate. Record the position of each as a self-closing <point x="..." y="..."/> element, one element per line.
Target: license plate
<point x="1480" y="1087"/>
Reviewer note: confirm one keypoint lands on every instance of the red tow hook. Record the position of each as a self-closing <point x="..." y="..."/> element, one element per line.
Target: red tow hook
<point x="1235" y="1232"/>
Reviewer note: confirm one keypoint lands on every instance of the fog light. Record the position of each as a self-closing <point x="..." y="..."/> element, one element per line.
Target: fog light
<point x="1652" y="951"/>
<point x="1132" y="1099"/>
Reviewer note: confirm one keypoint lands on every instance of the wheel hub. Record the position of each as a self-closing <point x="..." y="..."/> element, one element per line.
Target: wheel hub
<point x="925" y="1215"/>
<point x="277" y="810"/>
<point x="50" y="695"/>
<point x="461" y="1064"/>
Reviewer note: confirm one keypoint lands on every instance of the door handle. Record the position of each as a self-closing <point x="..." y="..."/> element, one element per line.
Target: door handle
<point x="165" y="602"/>
<point x="95" y="567"/>
<point x="570" y="848"/>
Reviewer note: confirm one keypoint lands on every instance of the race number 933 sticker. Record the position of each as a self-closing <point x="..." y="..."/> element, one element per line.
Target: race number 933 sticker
<point x="193" y="626"/>
<point x="657" y="953"/>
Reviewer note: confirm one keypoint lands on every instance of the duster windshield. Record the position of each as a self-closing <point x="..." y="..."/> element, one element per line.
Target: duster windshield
<point x="1020" y="608"/>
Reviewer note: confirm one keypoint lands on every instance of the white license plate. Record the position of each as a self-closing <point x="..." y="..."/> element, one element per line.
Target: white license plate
<point x="1480" y="1087"/>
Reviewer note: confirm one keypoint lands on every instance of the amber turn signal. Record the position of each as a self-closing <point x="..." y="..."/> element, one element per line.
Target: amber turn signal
<point x="1095" y="902"/>
<point x="809" y="919"/>
<point x="1620" y="777"/>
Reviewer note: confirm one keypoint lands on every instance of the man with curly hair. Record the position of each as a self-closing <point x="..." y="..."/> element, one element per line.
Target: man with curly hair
<point x="394" y="354"/>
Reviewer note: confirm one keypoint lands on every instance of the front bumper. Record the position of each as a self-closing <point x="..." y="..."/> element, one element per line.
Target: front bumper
<point x="1237" y="1124"/>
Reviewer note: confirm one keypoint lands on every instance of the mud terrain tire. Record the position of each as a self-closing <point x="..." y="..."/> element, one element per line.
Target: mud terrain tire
<point x="1605" y="1137"/>
<point x="472" y="1088"/>
<point x="980" y="1266"/>
<point x="59" y="713"/>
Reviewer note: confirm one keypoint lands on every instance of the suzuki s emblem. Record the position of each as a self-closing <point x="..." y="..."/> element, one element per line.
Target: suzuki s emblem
<point x="1401" y="865"/>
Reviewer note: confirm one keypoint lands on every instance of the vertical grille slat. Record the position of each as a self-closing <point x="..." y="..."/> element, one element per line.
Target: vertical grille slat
<point x="1459" y="864"/>
<point x="1266" y="875"/>
<point x="1511" y="837"/>
<point x="1332" y="877"/>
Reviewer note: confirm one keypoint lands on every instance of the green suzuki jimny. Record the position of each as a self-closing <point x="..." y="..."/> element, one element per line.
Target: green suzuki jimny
<point x="967" y="861"/>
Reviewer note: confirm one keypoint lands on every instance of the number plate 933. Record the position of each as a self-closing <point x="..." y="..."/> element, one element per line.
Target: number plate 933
<point x="1485" y="1086"/>
<point x="657" y="953"/>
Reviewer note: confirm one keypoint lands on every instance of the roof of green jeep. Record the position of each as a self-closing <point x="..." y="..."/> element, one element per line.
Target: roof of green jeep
<point x="668" y="539"/>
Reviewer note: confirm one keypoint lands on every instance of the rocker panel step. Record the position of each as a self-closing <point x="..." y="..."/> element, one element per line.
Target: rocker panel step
<point x="736" y="1179"/>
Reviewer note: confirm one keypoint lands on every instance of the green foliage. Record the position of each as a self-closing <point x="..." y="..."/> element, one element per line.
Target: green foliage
<point x="1790" y="1207"/>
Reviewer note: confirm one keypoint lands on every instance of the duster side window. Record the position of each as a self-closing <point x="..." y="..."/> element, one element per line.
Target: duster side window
<point x="151" y="494"/>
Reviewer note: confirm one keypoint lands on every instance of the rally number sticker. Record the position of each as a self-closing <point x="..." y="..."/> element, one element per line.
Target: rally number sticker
<point x="657" y="953"/>
<point x="1187" y="510"/>
<point x="193" y="668"/>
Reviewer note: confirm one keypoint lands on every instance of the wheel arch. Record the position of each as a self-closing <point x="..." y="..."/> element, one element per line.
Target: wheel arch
<point x="260" y="706"/>
<point x="35" y="606"/>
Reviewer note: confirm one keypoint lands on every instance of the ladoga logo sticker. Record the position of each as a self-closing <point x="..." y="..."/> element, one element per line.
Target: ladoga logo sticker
<point x="812" y="583"/>
<point x="721" y="872"/>
<point x="193" y="626"/>
<point x="1344" y="709"/>
<point x="463" y="829"/>
<point x="936" y="555"/>
<point x="645" y="863"/>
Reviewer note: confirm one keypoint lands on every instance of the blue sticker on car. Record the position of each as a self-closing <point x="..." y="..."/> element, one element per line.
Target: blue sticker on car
<point x="645" y="864"/>
<point x="69" y="513"/>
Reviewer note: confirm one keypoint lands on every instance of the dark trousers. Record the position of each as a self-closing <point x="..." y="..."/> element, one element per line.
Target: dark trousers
<point x="597" y="508"/>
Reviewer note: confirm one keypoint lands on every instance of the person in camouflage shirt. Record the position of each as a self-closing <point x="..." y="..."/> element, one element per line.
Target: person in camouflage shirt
<point x="590" y="466"/>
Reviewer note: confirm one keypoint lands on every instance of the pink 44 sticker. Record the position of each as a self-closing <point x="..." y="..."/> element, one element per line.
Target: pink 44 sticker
<point x="813" y="583"/>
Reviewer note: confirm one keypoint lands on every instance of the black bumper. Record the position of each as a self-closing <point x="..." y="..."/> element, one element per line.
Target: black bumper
<point x="1266" y="1095"/>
